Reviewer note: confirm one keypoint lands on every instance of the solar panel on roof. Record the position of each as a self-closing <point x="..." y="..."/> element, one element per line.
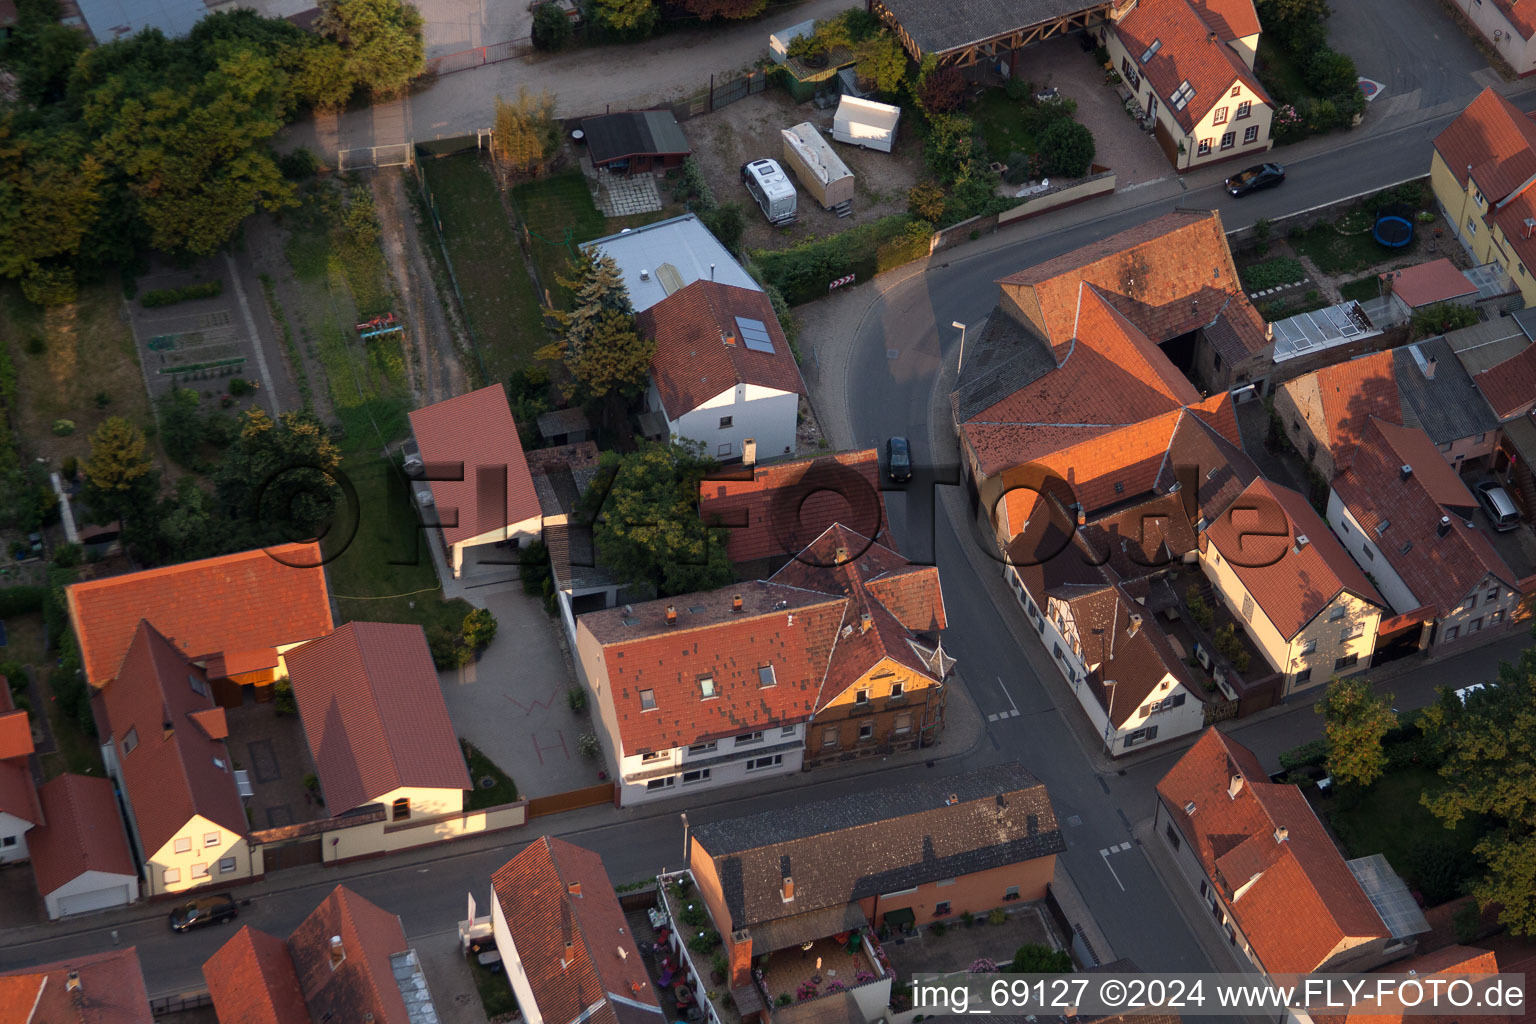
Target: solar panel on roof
<point x="754" y="334"/>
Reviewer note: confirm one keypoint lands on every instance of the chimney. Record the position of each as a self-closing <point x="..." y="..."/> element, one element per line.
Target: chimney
<point x="169" y="728"/>
<point x="574" y="888"/>
<point x="671" y="614"/>
<point x="728" y="338"/>
<point x="789" y="889"/>
<point x="570" y="954"/>
<point x="1429" y="368"/>
<point x="1444" y="527"/>
<point x="865" y="620"/>
<point x="73" y="983"/>
<point x="1234" y="786"/>
<point x="749" y="451"/>
<point x="1530" y="226"/>
<point x="1082" y="513"/>
<point x="338" y="952"/>
<point x="1301" y="542"/>
<point x="1135" y="625"/>
<point x="1406" y="471"/>
<point x="951" y="800"/>
<point x="841" y="554"/>
<point x="1282" y="833"/>
<point x="736" y="604"/>
<point x="1210" y="37"/>
<point x="711" y="271"/>
<point x="645" y="275"/>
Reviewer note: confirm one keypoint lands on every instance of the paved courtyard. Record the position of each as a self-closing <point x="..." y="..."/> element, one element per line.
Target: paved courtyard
<point x="272" y="750"/>
<point x="511" y="702"/>
<point x="959" y="946"/>
<point x="619" y="195"/>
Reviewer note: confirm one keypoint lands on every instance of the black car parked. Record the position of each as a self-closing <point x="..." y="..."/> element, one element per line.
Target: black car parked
<point x="1255" y="178"/>
<point x="898" y="459"/>
<point x="202" y="911"/>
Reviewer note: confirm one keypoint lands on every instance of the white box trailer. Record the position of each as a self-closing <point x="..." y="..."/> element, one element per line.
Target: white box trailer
<point x="865" y="123"/>
<point x="778" y="42"/>
<point x="820" y="171"/>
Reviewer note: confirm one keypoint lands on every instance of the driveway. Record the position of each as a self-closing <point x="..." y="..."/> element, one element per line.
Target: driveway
<point x="511" y="703"/>
<point x="1414" y="49"/>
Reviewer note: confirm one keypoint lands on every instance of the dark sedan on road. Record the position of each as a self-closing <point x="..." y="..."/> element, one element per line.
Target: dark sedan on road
<point x="202" y="911"/>
<point x="1255" y="178"/>
<point x="898" y="459"/>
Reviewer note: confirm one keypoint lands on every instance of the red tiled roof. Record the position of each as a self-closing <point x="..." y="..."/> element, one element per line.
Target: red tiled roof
<point x="1492" y="140"/>
<point x="783" y="506"/>
<point x="693" y="364"/>
<point x="1143" y="657"/>
<point x="1351" y="393"/>
<point x="1396" y="514"/>
<point x="1257" y="536"/>
<point x="1510" y="387"/>
<point x="84" y="833"/>
<point x="15" y="729"/>
<point x="234" y="663"/>
<point x="1231" y="19"/>
<point x="577" y="952"/>
<point x="1411" y="447"/>
<point x="234" y="602"/>
<point x="112" y="991"/>
<point x="1446" y="960"/>
<point x="1427" y="283"/>
<point x="373" y="713"/>
<point x="364" y="981"/>
<point x="785" y="627"/>
<point x="168" y="779"/>
<point x="18" y="796"/>
<point x="474" y="433"/>
<point x="1192" y="51"/>
<point x="1305" y="901"/>
<point x="251" y="980"/>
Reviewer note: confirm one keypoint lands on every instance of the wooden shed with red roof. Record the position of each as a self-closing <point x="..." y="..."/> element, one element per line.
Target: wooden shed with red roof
<point x="235" y="616"/>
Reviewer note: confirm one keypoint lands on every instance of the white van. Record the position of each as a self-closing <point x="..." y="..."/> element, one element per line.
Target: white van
<point x="771" y="188"/>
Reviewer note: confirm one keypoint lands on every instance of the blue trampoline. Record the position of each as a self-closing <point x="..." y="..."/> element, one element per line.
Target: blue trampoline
<point x="1394" y="226"/>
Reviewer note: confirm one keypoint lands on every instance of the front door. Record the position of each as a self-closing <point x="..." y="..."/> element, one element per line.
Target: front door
<point x="1151" y="104"/>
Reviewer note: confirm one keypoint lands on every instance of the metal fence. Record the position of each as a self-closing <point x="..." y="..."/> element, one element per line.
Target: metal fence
<point x="479" y="56"/>
<point x="434" y="149"/>
<point x="399" y="154"/>
<point x="723" y="90"/>
<point x="161" y="1005"/>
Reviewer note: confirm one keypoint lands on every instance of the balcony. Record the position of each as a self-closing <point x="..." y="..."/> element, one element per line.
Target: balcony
<point x="833" y="979"/>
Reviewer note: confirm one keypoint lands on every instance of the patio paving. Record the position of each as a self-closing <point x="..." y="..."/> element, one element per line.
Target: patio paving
<point x="273" y="750"/>
<point x="825" y="962"/>
<point x="511" y="702"/>
<point x="619" y="195"/>
<point x="959" y="947"/>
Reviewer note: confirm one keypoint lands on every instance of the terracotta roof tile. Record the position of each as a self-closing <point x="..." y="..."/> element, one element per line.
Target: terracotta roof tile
<point x="1350" y="394"/>
<point x="364" y="981"/>
<point x="1305" y="901"/>
<point x="1426" y="283"/>
<point x="212" y="721"/>
<point x="1489" y="132"/>
<point x="15" y="730"/>
<point x="1231" y="19"/>
<point x="1258" y="536"/>
<point x="693" y="363"/>
<point x="84" y="833"/>
<point x="570" y="943"/>
<point x="252" y="981"/>
<point x="1510" y="387"/>
<point x="18" y="796"/>
<point x="1437" y="477"/>
<point x="111" y="991"/>
<point x="1192" y="51"/>
<point x="473" y="436"/>
<point x="785" y="627"/>
<point x="1446" y="960"/>
<point x="775" y="509"/>
<point x="1143" y="658"/>
<point x="237" y="602"/>
<point x="168" y="778"/>
<point x="374" y="715"/>
<point x="1403" y="517"/>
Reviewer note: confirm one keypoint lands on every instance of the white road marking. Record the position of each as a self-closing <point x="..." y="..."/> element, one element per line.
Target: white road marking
<point x="1107" y="864"/>
<point x="1011" y="704"/>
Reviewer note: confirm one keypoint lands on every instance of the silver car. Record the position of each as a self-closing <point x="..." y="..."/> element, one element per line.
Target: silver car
<point x="1499" y="506"/>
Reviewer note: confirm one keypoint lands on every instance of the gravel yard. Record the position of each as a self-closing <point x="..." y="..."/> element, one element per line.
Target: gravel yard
<point x="749" y="130"/>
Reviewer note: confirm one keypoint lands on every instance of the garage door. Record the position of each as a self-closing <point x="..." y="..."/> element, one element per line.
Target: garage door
<point x="96" y="899"/>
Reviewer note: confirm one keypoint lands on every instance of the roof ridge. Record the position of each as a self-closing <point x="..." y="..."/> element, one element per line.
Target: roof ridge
<point x="87" y="586"/>
<point x="826" y="671"/>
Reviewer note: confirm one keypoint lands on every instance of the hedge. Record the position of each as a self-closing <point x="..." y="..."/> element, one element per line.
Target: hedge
<point x="1313" y="753"/>
<point x="803" y="272"/>
<point x="171" y="296"/>
<point x="21" y="600"/>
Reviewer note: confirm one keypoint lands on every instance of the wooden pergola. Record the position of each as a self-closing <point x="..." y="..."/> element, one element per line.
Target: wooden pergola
<point x="1000" y="44"/>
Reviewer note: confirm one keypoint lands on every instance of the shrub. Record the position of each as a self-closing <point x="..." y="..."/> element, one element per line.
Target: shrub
<point x="1281" y="270"/>
<point x="576" y="699"/>
<point x="1328" y="72"/>
<point x="36" y="345"/>
<point x="63" y="428"/>
<point x="311" y="782"/>
<point x="283" y="701"/>
<point x="784" y="999"/>
<point x="694" y="914"/>
<point x="948" y="145"/>
<point x="937" y="929"/>
<point x="1040" y="960"/>
<point x="300" y="165"/>
<point x="718" y="965"/>
<point x="942" y="92"/>
<point x="1020" y="165"/>
<point x="1232" y="647"/>
<point x="726" y="223"/>
<point x="240" y="387"/>
<point x="694" y="189"/>
<point x="1067" y="147"/>
<point x="982" y="965"/>
<point x="997" y="916"/>
<point x="1313" y="753"/>
<point x="21" y="600"/>
<point x="589" y="746"/>
<point x="926" y="200"/>
<point x="67" y="556"/>
<point x="1198" y="609"/>
<point x="447" y="647"/>
<point x="1468" y="923"/>
<point x="1442" y="317"/>
<point x="479" y="629"/>
<point x="704" y="941"/>
<point x="967" y="918"/>
<point x="803" y="271"/>
<point x="70" y="467"/>
<point x="170" y="296"/>
<point x="551" y="28"/>
<point x="1018" y="90"/>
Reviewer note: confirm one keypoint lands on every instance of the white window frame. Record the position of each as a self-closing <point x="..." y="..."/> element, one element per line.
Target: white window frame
<point x="212" y="839"/>
<point x="756" y="764"/>
<point x="199" y="871"/>
<point x="227" y="865"/>
<point x="647" y="700"/>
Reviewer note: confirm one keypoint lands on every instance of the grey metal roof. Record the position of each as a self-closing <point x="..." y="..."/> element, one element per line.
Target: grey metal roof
<point x="684" y="243"/>
<point x="633" y="133"/>
<point x="1447" y="407"/>
<point x="938" y="27"/>
<point x="1004" y="358"/>
<point x="563" y="421"/>
<point x="1526" y="318"/>
<point x="1487" y="344"/>
<point x="112" y="19"/>
<point x="850" y="847"/>
<point x="412" y="982"/>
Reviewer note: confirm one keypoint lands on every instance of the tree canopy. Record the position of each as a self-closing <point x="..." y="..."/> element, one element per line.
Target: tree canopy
<point x="1355" y="720"/>
<point x="729" y="9"/>
<point x="601" y="349"/>
<point x="648" y="529"/>
<point x="882" y="62"/>
<point x="527" y="134"/>
<point x="624" y="19"/>
<point x="1489" y="770"/>
<point x="381" y="41"/>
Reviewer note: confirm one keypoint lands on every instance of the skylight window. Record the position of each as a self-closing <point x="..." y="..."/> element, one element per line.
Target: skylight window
<point x="1182" y="95"/>
<point x="1157" y="44"/>
<point x="765" y="677"/>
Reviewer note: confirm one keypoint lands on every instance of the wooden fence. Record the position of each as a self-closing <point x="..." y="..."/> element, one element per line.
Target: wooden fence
<point x="572" y="800"/>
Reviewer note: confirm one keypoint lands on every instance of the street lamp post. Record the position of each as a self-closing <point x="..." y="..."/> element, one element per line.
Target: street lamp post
<point x="961" y="327"/>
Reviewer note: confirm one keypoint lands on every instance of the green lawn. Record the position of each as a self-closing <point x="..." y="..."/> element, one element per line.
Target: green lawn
<point x="1361" y="290"/>
<point x="558" y="213"/>
<point x="495" y="992"/>
<point x="1000" y="123"/>
<point x="76" y="752"/>
<point x="499" y="298"/>
<point x="364" y="580"/>
<point x="1387" y="818"/>
<point x="480" y="766"/>
<point x="1344" y="254"/>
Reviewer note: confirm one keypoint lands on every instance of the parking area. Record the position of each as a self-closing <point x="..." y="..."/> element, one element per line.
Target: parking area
<point x="511" y="703"/>
<point x="1517" y="547"/>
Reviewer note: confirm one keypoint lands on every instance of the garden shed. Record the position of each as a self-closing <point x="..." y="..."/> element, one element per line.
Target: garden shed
<point x="635" y="140"/>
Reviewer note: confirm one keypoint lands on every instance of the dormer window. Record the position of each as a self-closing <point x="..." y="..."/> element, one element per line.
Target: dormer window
<point x="198" y="686"/>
